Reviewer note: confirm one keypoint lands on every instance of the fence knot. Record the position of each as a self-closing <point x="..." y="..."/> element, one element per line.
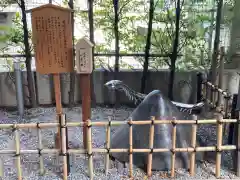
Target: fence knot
<point x="227" y="96"/>
<point x="196" y="121"/>
<point x="89" y="154"/>
<point x="214" y="88"/>
<point x="194" y="149"/>
<point x="174" y="123"/>
<point x="38" y="125"/>
<point x="63" y="125"/>
<point x="151" y="150"/>
<point x="14" y="127"/>
<point x="17" y="155"/>
<point x="39" y="152"/>
<point x="108" y="150"/>
<point x="63" y="154"/>
<point x="219" y="121"/>
<point x="130" y="123"/>
<point x="218" y="149"/>
<point x="130" y="152"/>
<point x="173" y="151"/>
<point x="109" y="122"/>
<point x="152" y="122"/>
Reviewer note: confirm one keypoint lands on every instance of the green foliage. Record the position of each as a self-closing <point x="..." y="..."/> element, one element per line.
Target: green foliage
<point x="14" y="35"/>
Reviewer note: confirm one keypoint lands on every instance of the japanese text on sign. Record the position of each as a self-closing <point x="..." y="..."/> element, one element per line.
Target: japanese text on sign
<point x="53" y="43"/>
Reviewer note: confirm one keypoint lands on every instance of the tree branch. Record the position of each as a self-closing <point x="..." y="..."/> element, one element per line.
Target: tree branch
<point x="121" y="9"/>
<point x="158" y="44"/>
<point x="19" y="4"/>
<point x="183" y="44"/>
<point x="169" y="19"/>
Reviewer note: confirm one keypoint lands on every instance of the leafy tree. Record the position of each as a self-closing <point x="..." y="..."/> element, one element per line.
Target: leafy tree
<point x="20" y="35"/>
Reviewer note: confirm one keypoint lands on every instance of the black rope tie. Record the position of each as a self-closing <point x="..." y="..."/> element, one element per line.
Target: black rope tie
<point x="89" y="155"/>
<point x="39" y="152"/>
<point x="14" y="128"/>
<point x="220" y="122"/>
<point x="172" y="151"/>
<point x="197" y="122"/>
<point x="38" y="125"/>
<point x="174" y="123"/>
<point x="218" y="150"/>
<point x="17" y="155"/>
<point x="89" y="126"/>
<point x="108" y="150"/>
<point x="63" y="126"/>
<point x="63" y="154"/>
<point x="152" y="123"/>
<point x="215" y="88"/>
<point x="129" y="123"/>
<point x="109" y="123"/>
<point x="130" y="152"/>
<point x="194" y="149"/>
<point x="151" y="150"/>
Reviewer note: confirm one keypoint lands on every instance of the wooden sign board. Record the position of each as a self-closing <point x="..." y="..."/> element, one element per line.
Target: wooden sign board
<point x="84" y="56"/>
<point x="52" y="39"/>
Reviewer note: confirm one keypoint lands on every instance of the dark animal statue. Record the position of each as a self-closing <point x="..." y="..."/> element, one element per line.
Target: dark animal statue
<point x="138" y="97"/>
<point x="155" y="104"/>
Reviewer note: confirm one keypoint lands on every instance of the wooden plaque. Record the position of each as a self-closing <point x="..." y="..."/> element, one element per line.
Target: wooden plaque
<point x="52" y="39"/>
<point x="84" y="56"/>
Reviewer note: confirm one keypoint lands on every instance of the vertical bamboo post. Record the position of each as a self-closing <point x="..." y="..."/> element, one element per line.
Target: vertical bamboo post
<point x="174" y="132"/>
<point x="220" y="74"/>
<point x="89" y="149"/>
<point x="108" y="131"/>
<point x="64" y="147"/>
<point x="41" y="166"/>
<point x="151" y="141"/>
<point x="219" y="144"/>
<point x="213" y="95"/>
<point x="206" y="90"/>
<point x="226" y="106"/>
<point x="130" y="149"/>
<point x="17" y="146"/>
<point x="193" y="144"/>
<point x="199" y="87"/>
<point x="1" y="167"/>
<point x="58" y="99"/>
<point x="236" y="162"/>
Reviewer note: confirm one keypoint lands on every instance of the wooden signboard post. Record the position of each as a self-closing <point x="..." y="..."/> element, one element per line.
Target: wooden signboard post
<point x="52" y="39"/>
<point x="84" y="68"/>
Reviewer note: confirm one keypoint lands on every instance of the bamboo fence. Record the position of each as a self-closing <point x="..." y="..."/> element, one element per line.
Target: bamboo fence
<point x="107" y="150"/>
<point x="219" y="92"/>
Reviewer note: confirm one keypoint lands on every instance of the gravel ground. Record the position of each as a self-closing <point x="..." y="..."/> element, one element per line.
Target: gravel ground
<point x="29" y="140"/>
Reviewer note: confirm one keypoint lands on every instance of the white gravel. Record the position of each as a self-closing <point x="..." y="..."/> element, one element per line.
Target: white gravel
<point x="29" y="140"/>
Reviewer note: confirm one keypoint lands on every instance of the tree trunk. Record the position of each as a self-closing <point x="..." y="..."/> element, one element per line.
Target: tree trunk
<point x="116" y="34"/>
<point x="147" y="47"/>
<point x="117" y="49"/>
<point x="31" y="87"/>
<point x="91" y="33"/>
<point x="72" y="75"/>
<point x="213" y="70"/>
<point x="174" y="54"/>
<point x="211" y="34"/>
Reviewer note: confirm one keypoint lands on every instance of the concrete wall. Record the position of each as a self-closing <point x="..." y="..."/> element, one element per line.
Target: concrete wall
<point x="184" y="87"/>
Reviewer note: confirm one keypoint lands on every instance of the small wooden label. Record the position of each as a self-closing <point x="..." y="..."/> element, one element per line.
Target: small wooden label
<point x="84" y="56"/>
<point x="52" y="39"/>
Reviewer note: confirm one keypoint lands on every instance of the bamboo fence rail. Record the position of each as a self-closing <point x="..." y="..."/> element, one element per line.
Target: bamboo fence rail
<point x="107" y="150"/>
<point x="216" y="93"/>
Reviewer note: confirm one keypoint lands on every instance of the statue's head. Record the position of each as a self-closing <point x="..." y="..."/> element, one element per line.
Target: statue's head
<point x="113" y="84"/>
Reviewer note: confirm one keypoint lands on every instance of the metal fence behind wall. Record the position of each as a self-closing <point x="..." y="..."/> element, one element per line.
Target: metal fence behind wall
<point x="64" y="152"/>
